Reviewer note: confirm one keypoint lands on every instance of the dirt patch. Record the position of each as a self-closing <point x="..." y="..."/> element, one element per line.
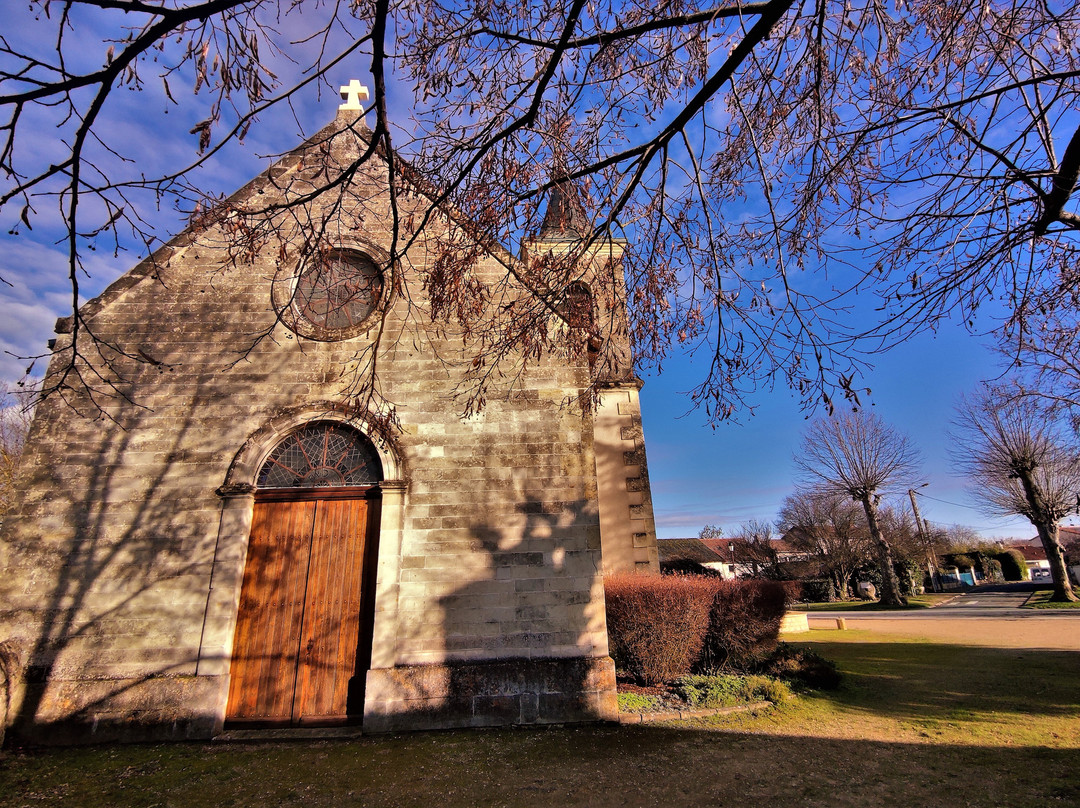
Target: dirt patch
<point x="1050" y="633"/>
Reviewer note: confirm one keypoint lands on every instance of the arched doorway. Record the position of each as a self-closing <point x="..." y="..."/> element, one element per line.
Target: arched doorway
<point x="303" y="629"/>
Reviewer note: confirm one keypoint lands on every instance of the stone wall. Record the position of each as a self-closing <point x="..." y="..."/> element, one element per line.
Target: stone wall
<point x="622" y="475"/>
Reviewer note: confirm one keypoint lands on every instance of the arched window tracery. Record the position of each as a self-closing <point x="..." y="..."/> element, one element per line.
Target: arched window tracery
<point x="320" y="455"/>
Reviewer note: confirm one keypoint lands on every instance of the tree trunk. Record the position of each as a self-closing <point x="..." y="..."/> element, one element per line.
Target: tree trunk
<point x="1048" y="534"/>
<point x="844" y="582"/>
<point x="840" y="584"/>
<point x="890" y="586"/>
<point x="1063" y="590"/>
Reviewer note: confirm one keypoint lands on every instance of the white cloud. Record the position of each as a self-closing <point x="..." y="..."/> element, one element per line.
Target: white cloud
<point x="36" y="292"/>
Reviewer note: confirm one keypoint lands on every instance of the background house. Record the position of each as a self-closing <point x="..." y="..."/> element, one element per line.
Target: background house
<point x="693" y="556"/>
<point x="729" y="558"/>
<point x="1035" y="555"/>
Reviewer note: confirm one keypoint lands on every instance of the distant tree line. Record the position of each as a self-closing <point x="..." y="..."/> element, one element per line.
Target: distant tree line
<point x="839" y="527"/>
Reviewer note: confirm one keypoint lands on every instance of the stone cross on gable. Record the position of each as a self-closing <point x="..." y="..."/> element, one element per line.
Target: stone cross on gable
<point x="354" y="92"/>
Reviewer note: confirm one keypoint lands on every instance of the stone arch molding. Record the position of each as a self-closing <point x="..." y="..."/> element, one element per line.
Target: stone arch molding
<point x="230" y="554"/>
<point x="245" y="467"/>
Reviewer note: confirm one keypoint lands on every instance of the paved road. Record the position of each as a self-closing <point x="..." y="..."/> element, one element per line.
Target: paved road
<point x="999" y="600"/>
<point x="984" y="616"/>
<point x="1005" y="596"/>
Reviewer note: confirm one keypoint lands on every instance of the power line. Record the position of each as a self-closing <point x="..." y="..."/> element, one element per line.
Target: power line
<point x="958" y="505"/>
<point x="958" y="524"/>
<point x="946" y="502"/>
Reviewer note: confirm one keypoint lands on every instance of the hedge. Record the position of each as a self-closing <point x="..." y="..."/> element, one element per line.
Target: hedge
<point x="818" y="590"/>
<point x="743" y="623"/>
<point x="1013" y="565"/>
<point x="657" y="623"/>
<point x="663" y="627"/>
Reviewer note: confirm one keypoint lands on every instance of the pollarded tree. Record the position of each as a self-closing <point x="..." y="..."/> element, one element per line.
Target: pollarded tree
<point x="1021" y="462"/>
<point x="920" y="152"/>
<point x="859" y="455"/>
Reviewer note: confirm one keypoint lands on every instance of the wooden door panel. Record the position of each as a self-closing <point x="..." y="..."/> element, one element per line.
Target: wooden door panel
<point x="328" y="647"/>
<point x="270" y="615"/>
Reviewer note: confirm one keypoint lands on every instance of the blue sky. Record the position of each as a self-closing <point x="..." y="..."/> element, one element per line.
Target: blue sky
<point x="742" y="471"/>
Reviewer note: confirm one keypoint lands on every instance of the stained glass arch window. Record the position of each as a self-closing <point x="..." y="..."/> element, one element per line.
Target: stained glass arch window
<point x="321" y="455"/>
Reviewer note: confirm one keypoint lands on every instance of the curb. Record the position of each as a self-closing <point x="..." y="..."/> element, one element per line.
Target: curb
<point x="1032" y="597"/>
<point x="678" y="715"/>
<point x="945" y="602"/>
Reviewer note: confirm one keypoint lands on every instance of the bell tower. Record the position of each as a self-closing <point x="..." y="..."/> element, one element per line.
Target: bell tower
<point x="595" y="302"/>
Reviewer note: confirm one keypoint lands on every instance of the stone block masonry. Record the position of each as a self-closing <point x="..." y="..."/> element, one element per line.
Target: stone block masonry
<point x="122" y="569"/>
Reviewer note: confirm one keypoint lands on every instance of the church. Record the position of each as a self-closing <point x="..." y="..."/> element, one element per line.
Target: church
<point x="219" y="528"/>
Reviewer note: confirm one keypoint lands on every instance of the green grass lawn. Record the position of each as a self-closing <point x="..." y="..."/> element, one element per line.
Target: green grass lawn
<point x="915" y="723"/>
<point x="1041" y="600"/>
<point x="918" y="691"/>
<point x="918" y="602"/>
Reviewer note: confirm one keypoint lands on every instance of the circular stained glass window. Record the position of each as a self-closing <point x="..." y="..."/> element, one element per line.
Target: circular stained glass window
<point x="321" y="455"/>
<point x="339" y="291"/>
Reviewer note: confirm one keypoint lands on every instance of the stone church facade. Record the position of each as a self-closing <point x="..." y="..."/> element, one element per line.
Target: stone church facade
<point x="223" y="538"/>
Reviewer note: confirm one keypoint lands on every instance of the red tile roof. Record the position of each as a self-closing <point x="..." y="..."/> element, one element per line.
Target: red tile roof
<point x="1030" y="551"/>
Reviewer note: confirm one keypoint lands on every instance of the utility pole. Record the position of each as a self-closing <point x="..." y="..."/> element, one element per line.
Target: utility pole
<point x="924" y="537"/>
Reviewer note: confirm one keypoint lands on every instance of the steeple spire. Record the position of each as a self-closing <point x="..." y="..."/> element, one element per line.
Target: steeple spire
<point x="565" y="219"/>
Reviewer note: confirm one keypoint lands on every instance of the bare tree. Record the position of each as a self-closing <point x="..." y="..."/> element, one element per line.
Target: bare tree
<point x="711" y="532"/>
<point x="747" y="150"/>
<point x="753" y="546"/>
<point x="910" y="551"/>
<point x="859" y="455"/>
<point x="1022" y="462"/>
<point x="498" y="124"/>
<point x="832" y="527"/>
<point x="16" y="412"/>
<point x="1047" y="358"/>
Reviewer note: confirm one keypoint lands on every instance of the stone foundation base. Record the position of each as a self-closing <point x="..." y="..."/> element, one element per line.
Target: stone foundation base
<point x="160" y="708"/>
<point x="459" y="694"/>
<point x="497" y="693"/>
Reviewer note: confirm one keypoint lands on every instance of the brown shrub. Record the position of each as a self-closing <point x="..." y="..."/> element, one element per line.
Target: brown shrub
<point x="657" y="623"/>
<point x="744" y="622"/>
<point x="794" y="590"/>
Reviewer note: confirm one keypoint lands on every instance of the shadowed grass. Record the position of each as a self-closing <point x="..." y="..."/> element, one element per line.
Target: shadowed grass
<point x="1041" y="600"/>
<point x="916" y="723"/>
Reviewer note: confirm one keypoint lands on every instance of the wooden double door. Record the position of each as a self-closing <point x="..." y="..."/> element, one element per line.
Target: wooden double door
<point x="303" y="631"/>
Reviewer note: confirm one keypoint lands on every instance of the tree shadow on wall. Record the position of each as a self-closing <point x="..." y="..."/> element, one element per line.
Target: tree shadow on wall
<point x="528" y="643"/>
<point x="111" y="574"/>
